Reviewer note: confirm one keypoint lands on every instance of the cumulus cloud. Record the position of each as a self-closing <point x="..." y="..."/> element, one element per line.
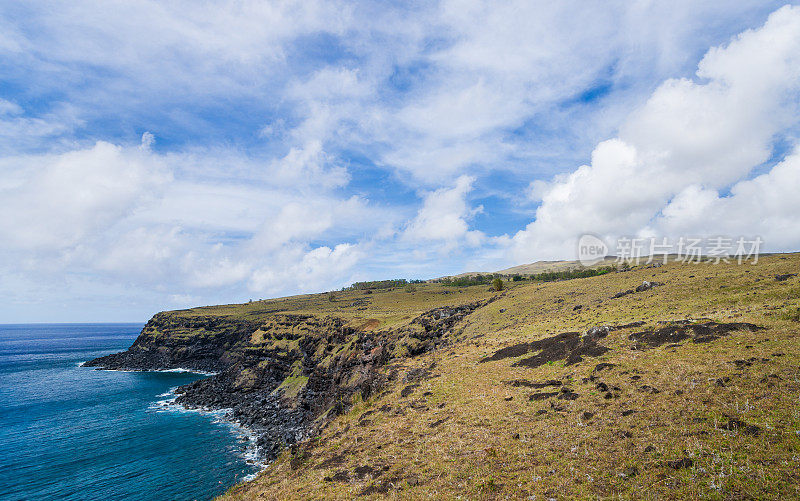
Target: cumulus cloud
<point x="765" y="206"/>
<point x="165" y="153"/>
<point x="122" y="213"/>
<point x="59" y="200"/>
<point x="444" y="216"/>
<point x="689" y="140"/>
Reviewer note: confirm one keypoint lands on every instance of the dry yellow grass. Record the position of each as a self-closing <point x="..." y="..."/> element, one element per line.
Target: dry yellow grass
<point x="465" y="432"/>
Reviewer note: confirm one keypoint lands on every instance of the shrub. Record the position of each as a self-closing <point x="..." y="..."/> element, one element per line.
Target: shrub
<point x="497" y="284"/>
<point x="411" y="288"/>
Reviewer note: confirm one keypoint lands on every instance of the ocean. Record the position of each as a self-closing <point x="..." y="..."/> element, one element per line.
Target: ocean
<point x="74" y="433"/>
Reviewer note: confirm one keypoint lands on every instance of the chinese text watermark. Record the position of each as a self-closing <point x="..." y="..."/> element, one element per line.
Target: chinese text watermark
<point x="715" y="250"/>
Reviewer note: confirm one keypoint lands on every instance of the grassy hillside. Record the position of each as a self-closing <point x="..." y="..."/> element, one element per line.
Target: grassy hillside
<point x="692" y="393"/>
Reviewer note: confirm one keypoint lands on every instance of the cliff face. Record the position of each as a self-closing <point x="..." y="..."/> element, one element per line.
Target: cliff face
<point x="170" y="341"/>
<point x="282" y="375"/>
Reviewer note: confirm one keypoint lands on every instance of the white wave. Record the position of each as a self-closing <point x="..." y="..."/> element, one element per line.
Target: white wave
<point x="193" y="371"/>
<point x="221" y="417"/>
<point x="177" y="369"/>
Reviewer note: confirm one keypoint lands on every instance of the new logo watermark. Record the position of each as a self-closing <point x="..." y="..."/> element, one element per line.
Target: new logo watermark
<point x="591" y="249"/>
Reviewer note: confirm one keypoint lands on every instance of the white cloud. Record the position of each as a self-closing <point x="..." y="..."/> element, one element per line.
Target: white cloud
<point x="690" y="137"/>
<point x="444" y="216"/>
<point x="59" y="200"/>
<point x="266" y="115"/>
<point x="134" y="216"/>
<point x="765" y="206"/>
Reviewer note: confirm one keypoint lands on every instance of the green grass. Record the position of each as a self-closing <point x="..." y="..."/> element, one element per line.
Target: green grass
<point x="465" y="433"/>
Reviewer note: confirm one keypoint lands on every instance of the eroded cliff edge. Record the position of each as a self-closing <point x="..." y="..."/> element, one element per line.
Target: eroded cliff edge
<point x="283" y="375"/>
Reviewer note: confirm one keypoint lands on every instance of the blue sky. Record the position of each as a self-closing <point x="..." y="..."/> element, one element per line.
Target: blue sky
<point x="157" y="156"/>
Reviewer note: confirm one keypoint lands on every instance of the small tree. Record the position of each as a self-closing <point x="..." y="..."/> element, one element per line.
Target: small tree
<point x="411" y="288"/>
<point x="331" y="297"/>
<point x="497" y="284"/>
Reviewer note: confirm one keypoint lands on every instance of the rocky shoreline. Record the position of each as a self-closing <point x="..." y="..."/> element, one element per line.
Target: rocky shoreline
<point x="285" y="377"/>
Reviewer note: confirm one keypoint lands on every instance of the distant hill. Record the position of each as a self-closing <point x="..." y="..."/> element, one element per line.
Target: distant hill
<point x="540" y="267"/>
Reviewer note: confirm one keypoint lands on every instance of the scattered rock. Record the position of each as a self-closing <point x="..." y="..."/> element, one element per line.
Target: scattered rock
<point x="641" y="288"/>
<point x="335" y="460"/>
<point x="543" y="395"/>
<point x="567" y="394"/>
<point x="603" y="365"/>
<point x="438" y="422"/>
<point x="678" y="464"/>
<point x="734" y="424"/>
<point x="741" y="364"/>
<point x="408" y="390"/>
<point x="647" y="286"/>
<point x="339" y="476"/>
<point x="530" y="384"/>
<point x="365" y="470"/>
<point x="630" y="471"/>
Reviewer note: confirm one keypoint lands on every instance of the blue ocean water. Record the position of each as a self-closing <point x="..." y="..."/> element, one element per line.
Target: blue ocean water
<point x="69" y="432"/>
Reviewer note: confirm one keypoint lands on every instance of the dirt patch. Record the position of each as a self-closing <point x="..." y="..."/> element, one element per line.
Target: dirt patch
<point x="568" y="346"/>
<point x="734" y="424"/>
<point x="543" y="395"/>
<point x="567" y="394"/>
<point x="382" y="487"/>
<point x="509" y="352"/>
<point x="420" y="374"/>
<point x="678" y="464"/>
<point x="438" y="422"/>
<point x="679" y="331"/>
<point x="641" y="288"/>
<point x="366" y="470"/>
<point x="335" y="460"/>
<point x="408" y="390"/>
<point x="530" y="384"/>
<point x="339" y="476"/>
<point x="370" y="324"/>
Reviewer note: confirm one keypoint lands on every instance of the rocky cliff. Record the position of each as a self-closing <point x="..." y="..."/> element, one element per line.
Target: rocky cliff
<point x="282" y="375"/>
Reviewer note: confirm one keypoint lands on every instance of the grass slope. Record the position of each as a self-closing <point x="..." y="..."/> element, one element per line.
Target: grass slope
<point x="714" y="419"/>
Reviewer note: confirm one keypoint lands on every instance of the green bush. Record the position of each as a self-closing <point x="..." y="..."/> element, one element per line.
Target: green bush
<point x="497" y="284"/>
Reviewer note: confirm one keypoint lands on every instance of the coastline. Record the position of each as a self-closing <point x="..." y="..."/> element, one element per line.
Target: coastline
<point x="248" y="436"/>
<point x="176" y="369"/>
<point x="223" y="416"/>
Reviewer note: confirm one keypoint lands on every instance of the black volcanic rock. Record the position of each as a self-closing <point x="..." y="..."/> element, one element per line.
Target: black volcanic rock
<point x="284" y="376"/>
